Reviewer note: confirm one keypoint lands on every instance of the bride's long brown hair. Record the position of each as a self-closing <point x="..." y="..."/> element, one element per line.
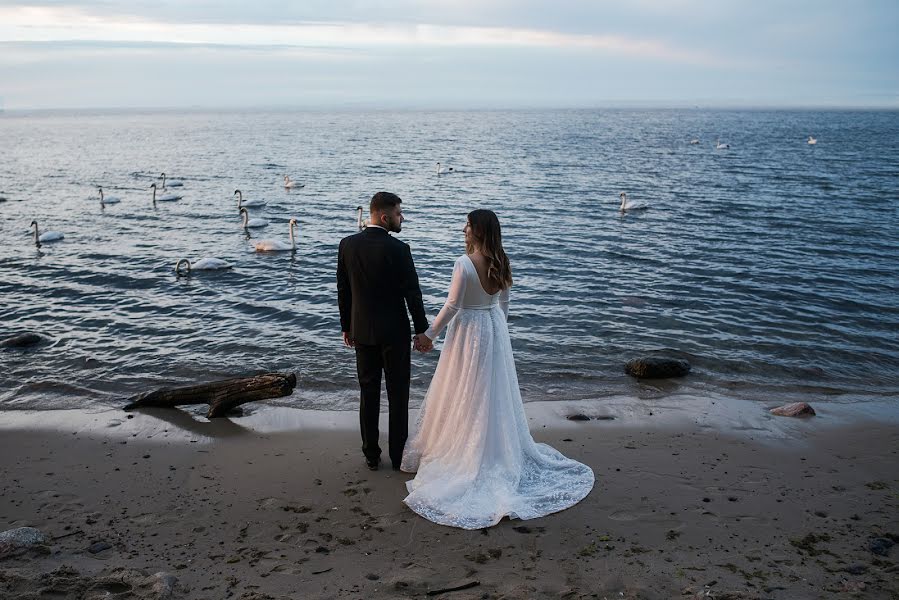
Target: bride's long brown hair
<point x="487" y="237"/>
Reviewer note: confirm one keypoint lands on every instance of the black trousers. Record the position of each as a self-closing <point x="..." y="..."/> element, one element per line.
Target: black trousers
<point x="394" y="360"/>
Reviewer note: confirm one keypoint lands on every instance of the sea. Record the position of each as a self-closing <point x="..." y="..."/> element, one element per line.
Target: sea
<point x="772" y="266"/>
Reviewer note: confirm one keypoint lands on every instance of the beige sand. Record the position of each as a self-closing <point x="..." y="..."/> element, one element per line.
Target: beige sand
<point x="278" y="504"/>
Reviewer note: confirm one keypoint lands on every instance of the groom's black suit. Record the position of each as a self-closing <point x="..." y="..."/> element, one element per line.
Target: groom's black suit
<point x="376" y="281"/>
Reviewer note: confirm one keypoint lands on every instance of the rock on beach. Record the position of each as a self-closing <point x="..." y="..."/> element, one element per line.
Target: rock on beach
<point x="796" y="409"/>
<point x="20" y="538"/>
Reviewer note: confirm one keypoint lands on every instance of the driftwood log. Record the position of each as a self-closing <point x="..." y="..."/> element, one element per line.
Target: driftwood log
<point x="221" y="396"/>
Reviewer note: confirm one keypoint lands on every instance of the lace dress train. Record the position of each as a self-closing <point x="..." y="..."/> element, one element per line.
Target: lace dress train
<point x="471" y="449"/>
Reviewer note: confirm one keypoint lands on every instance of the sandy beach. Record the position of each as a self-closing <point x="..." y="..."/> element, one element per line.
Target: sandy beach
<point x="693" y="499"/>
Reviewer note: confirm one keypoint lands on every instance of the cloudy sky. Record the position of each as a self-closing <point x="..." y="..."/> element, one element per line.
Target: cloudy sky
<point x="448" y="54"/>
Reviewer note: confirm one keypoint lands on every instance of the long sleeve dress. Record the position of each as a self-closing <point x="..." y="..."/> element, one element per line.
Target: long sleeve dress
<point x="472" y="452"/>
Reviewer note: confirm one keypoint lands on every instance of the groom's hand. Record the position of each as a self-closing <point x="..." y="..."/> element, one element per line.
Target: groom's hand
<point x="423" y="343"/>
<point x="348" y="341"/>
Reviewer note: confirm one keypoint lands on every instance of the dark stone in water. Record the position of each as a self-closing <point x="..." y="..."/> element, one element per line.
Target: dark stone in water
<point x="23" y="340"/>
<point x="656" y="367"/>
<point x="578" y="417"/>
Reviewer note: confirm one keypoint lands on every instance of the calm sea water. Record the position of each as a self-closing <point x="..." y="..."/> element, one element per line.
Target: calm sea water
<point x="771" y="266"/>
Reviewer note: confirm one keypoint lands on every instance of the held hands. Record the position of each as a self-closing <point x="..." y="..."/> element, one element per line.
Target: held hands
<point x="422" y="343"/>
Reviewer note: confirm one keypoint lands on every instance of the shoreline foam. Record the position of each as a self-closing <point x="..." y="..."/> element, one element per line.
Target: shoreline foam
<point x="706" y="412"/>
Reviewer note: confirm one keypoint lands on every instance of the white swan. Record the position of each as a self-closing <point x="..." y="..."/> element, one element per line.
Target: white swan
<point x="694" y="141"/>
<point x="627" y="205"/>
<point x="360" y="223"/>
<point x="104" y="200"/>
<point x="250" y="203"/>
<point x="248" y="222"/>
<point x="292" y="184"/>
<point x="812" y="140"/>
<point x="278" y="245"/>
<point x="444" y="170"/>
<point x="47" y="236"/>
<point x="171" y="183"/>
<point x="203" y="264"/>
<point x="720" y="146"/>
<point x="166" y="198"/>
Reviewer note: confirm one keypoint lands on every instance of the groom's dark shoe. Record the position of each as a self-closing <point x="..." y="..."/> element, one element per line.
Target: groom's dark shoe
<point x="372" y="463"/>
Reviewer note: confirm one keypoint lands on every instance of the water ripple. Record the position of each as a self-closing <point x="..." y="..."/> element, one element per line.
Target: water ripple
<point x="770" y="266"/>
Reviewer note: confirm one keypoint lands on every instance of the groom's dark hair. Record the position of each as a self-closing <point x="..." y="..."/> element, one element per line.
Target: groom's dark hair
<point x="382" y="201"/>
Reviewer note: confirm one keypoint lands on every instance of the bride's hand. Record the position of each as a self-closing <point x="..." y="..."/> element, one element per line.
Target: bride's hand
<point x="426" y="344"/>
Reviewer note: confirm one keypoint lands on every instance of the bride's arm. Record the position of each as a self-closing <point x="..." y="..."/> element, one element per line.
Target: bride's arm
<point x="453" y="302"/>
<point x="504" y="302"/>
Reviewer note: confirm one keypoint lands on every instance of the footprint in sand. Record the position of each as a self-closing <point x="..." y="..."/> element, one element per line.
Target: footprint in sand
<point x="111" y="588"/>
<point x="154" y="519"/>
<point x="644" y="516"/>
<point x="280" y="504"/>
<point x="59" y="503"/>
<point x="289" y="537"/>
<point x="285" y="569"/>
<point x="629" y="515"/>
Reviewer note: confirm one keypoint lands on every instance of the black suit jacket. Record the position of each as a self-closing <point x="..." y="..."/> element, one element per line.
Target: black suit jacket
<point x="376" y="281"/>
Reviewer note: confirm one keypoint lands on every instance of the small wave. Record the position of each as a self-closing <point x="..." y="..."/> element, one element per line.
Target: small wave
<point x="747" y="264"/>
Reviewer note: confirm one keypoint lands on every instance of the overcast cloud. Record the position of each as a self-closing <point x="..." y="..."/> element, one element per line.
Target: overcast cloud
<point x="448" y="54"/>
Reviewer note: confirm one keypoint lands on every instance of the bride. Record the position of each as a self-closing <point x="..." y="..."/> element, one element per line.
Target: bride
<point x="473" y="455"/>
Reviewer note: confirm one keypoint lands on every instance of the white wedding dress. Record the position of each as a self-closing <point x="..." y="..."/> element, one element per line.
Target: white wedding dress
<point x="473" y="453"/>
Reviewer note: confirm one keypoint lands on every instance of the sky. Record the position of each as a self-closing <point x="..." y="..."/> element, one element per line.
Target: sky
<point x="450" y="54"/>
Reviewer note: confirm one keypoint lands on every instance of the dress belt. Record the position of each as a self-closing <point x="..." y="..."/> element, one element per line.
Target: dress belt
<point x="488" y="307"/>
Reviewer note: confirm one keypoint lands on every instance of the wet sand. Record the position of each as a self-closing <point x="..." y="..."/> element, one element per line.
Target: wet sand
<point x="278" y="504"/>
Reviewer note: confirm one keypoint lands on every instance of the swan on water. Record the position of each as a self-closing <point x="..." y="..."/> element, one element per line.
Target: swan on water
<point x="108" y="199"/>
<point x="171" y="182"/>
<point x="292" y="184"/>
<point x="812" y="140"/>
<point x="694" y="141"/>
<point x="278" y="245"/>
<point x="47" y="236"/>
<point x="444" y="170"/>
<point x="360" y="223"/>
<point x="720" y="146"/>
<point x="166" y="198"/>
<point x="203" y="264"/>
<point x="248" y="222"/>
<point x="627" y="205"/>
<point x="250" y="203"/>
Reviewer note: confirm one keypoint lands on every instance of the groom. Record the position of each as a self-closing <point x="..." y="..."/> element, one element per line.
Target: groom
<point x="376" y="282"/>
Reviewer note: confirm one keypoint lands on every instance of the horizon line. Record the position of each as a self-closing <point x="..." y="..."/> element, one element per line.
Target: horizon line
<point x="380" y="107"/>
